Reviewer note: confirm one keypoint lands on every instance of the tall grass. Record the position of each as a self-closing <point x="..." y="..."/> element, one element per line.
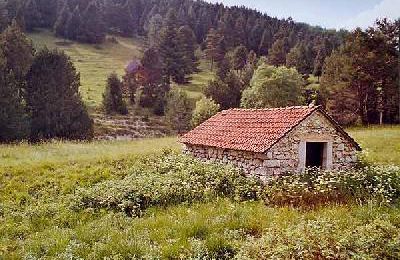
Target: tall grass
<point x="381" y="144"/>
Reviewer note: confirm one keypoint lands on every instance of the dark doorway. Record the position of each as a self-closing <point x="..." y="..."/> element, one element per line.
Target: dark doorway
<point x="315" y="154"/>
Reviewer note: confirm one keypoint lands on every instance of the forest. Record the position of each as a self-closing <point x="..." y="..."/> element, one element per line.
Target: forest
<point x="259" y="61"/>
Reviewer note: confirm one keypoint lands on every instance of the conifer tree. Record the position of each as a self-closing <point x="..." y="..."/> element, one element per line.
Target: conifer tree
<point x="60" y="26"/>
<point x="187" y="42"/>
<point x="300" y="57"/>
<point x="239" y="58"/>
<point x="170" y="50"/>
<point x="32" y="15"/>
<point x="3" y="15"/>
<point x="279" y="50"/>
<point x="73" y="26"/>
<point x="92" y="28"/>
<point x="53" y="100"/>
<point x="155" y="27"/>
<point x="14" y="123"/>
<point x="215" y="49"/>
<point x="113" y="101"/>
<point x="18" y="51"/>
<point x="266" y="42"/>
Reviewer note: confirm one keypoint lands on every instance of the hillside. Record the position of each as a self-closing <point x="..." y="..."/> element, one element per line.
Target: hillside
<point x="94" y="62"/>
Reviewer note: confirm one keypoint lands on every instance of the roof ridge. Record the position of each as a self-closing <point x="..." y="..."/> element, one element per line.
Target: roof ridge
<point x="273" y="109"/>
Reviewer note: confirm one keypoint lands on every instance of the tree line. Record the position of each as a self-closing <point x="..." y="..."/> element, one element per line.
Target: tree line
<point x="39" y="92"/>
<point x="215" y="26"/>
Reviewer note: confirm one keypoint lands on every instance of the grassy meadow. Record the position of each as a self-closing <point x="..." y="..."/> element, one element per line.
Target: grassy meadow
<point x="381" y="144"/>
<point x="65" y="200"/>
<point x="96" y="62"/>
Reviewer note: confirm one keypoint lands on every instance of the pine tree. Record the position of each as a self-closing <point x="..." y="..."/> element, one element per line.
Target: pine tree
<point x="300" y="57"/>
<point x="92" y="28"/>
<point x="112" y="98"/>
<point x="60" y="26"/>
<point x="73" y="25"/>
<point x="226" y="92"/>
<point x="18" y="51"/>
<point x="188" y="44"/>
<point x="215" y="49"/>
<point x="155" y="26"/>
<point x="14" y="124"/>
<point x="119" y="18"/>
<point x="170" y="51"/>
<point x="3" y="15"/>
<point x="32" y="15"/>
<point x="279" y="50"/>
<point x="156" y="86"/>
<point x="266" y="42"/>
<point x="53" y="100"/>
<point x="239" y="57"/>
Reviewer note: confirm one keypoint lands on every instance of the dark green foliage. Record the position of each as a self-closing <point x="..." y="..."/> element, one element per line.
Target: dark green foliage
<point x="112" y="98"/>
<point x="53" y="100"/>
<point x="152" y="83"/>
<point x="239" y="57"/>
<point x="60" y="26"/>
<point x="215" y="48"/>
<point x="32" y="16"/>
<point x="73" y="25"/>
<point x="226" y="92"/>
<point x="178" y="110"/>
<point x="171" y="52"/>
<point x="4" y="19"/>
<point x="92" y="29"/>
<point x="14" y="124"/>
<point x="362" y="78"/>
<point x="155" y="27"/>
<point x="300" y="57"/>
<point x="119" y="18"/>
<point x="18" y="51"/>
<point x="187" y="42"/>
<point x="279" y="50"/>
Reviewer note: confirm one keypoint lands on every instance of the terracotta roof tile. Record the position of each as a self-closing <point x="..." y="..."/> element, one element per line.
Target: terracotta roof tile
<point x="254" y="130"/>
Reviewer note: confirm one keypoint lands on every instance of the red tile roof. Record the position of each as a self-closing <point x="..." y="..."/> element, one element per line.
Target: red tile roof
<point x="254" y="130"/>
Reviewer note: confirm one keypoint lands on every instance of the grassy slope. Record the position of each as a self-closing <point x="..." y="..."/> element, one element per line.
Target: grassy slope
<point x="94" y="62"/>
<point x="34" y="181"/>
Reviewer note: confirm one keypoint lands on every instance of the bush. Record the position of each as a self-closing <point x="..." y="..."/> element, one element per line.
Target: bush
<point x="178" y="110"/>
<point x="112" y="97"/>
<point x="205" y="109"/>
<point x="378" y="183"/>
<point x="172" y="179"/>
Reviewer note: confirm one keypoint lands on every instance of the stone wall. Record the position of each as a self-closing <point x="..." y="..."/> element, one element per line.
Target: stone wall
<point x="288" y="154"/>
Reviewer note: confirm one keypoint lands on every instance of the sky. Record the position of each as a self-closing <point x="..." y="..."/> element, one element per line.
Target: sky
<point x="335" y="14"/>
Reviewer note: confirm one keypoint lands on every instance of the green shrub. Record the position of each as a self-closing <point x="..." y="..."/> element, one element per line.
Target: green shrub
<point x="205" y="109"/>
<point x="379" y="183"/>
<point x="172" y="179"/>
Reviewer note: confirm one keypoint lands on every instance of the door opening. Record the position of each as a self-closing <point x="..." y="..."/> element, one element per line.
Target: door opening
<point x="315" y="155"/>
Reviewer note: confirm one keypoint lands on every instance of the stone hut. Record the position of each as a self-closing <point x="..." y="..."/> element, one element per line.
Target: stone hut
<point x="265" y="142"/>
